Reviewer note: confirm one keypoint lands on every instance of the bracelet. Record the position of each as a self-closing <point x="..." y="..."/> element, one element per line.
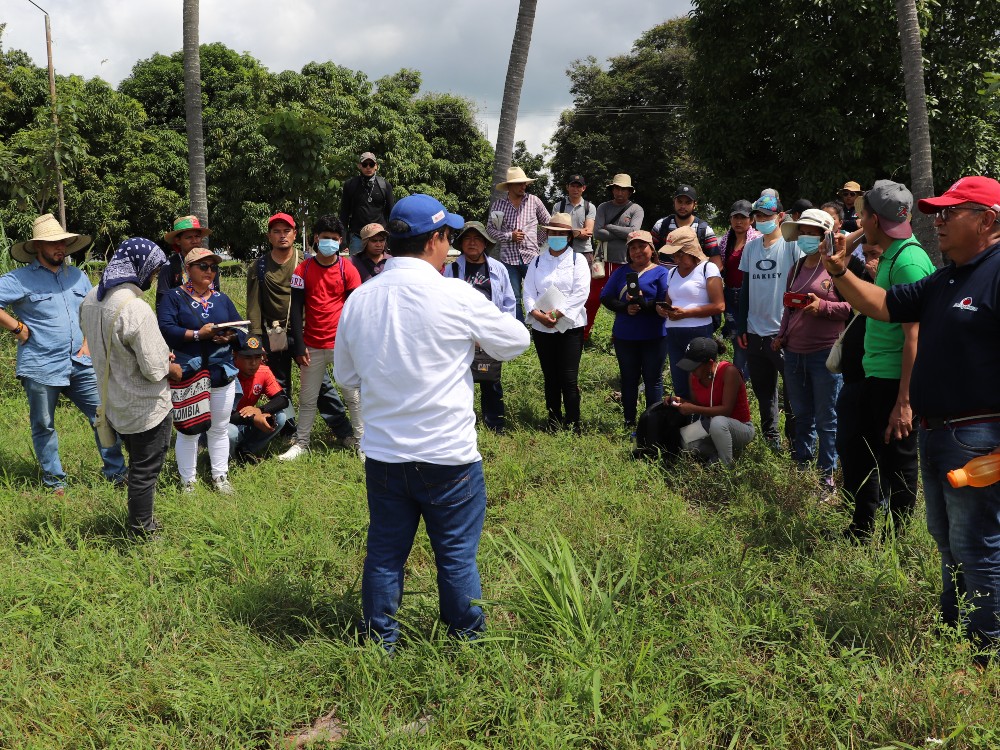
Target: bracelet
<point x="838" y="275"/>
<point x="20" y="327"/>
<point x="197" y="335"/>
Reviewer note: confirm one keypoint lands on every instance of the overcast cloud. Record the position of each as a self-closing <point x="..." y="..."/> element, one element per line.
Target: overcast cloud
<point x="459" y="46"/>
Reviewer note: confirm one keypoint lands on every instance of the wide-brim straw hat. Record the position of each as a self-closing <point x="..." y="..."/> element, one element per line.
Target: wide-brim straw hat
<point x="514" y="175"/>
<point x="48" y="229"/>
<point x="559" y="223"/>
<point x="186" y="224"/>
<point x="622" y="180"/>
<point x="478" y="228"/>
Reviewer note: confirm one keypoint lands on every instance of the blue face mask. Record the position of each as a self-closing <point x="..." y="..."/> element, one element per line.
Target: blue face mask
<point x="328" y="247"/>
<point x="766" y="227"/>
<point x="558" y="243"/>
<point x="808" y="243"/>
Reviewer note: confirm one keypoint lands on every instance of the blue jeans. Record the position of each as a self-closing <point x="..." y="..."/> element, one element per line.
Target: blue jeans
<point x="644" y="358"/>
<point x="246" y="438"/>
<point x="965" y="525"/>
<point x="452" y="501"/>
<point x="729" y="331"/>
<point x="812" y="394"/>
<point x="677" y="341"/>
<point x="517" y="273"/>
<point x="83" y="392"/>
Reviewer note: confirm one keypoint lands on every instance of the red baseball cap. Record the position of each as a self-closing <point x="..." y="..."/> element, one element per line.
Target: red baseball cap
<point x="281" y="217"/>
<point x="983" y="190"/>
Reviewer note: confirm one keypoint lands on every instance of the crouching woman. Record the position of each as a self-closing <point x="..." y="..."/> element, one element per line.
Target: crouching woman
<point x="718" y="398"/>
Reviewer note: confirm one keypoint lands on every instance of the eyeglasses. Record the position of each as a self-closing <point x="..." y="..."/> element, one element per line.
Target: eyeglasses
<point x="367" y="164"/>
<point x="946" y="214"/>
<point x="848" y="194"/>
<point x="206" y="267"/>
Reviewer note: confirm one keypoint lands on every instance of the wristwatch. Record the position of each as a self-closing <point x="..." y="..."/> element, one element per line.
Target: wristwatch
<point x="838" y="275"/>
<point x="20" y="327"/>
<point x="197" y="335"/>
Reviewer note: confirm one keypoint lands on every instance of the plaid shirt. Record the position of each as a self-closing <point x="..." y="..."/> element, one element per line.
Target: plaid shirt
<point x="505" y="218"/>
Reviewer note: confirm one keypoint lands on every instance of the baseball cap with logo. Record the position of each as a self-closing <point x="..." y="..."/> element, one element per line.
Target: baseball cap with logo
<point x="698" y="352"/>
<point x="281" y="217"/>
<point x="576" y="178"/>
<point x="367" y="156"/>
<point x="686" y="190"/>
<point x="982" y="190"/>
<point x="252" y="347"/>
<point x="893" y="203"/>
<point x="421" y="213"/>
<point x="767" y="205"/>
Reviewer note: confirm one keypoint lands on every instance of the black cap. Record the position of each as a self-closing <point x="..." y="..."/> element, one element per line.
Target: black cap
<point x="687" y="190"/>
<point x="251" y="347"/>
<point x="800" y="205"/>
<point x="741" y="208"/>
<point x="576" y="178"/>
<point x="698" y="352"/>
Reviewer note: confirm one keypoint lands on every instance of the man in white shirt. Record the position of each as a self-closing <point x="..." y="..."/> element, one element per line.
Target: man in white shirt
<point x="420" y="436"/>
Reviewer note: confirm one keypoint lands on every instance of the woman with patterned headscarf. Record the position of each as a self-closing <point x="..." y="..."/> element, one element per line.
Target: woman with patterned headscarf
<point x="132" y="364"/>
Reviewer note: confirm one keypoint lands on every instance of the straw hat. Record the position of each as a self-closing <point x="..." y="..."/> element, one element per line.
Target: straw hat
<point x="684" y="240"/>
<point x="559" y="223"/>
<point x="47" y="229"/>
<point x="514" y="175"/>
<point x="186" y="224"/>
<point x="622" y="180"/>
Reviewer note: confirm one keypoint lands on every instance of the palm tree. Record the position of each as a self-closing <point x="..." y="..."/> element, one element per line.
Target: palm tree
<point x="192" y="107"/>
<point x="921" y="170"/>
<point x="512" y="88"/>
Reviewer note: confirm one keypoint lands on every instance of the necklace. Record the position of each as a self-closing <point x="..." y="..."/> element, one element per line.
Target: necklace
<point x="198" y="300"/>
<point x="370" y="187"/>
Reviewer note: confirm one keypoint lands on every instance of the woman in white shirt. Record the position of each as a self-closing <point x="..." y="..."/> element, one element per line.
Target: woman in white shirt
<point x="555" y="291"/>
<point x="695" y="294"/>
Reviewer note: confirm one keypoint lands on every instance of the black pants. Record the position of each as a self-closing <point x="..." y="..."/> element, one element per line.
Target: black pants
<point x="331" y="408"/>
<point x="559" y="356"/>
<point x="871" y="467"/>
<point x="765" y="365"/>
<point x="146" y="451"/>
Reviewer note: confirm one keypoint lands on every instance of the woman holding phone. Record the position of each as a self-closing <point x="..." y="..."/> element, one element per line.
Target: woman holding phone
<point x="189" y="316"/>
<point x="814" y="316"/>
<point x="696" y="295"/>
<point x="640" y="335"/>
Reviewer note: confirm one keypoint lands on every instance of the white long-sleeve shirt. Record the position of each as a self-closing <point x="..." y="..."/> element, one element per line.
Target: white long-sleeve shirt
<point x="569" y="272"/>
<point x="406" y="339"/>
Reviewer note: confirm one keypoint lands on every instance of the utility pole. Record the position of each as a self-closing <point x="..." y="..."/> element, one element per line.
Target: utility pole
<point x="55" y="116"/>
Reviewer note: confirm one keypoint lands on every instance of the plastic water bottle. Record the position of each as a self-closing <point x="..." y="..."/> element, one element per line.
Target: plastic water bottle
<point x="979" y="472"/>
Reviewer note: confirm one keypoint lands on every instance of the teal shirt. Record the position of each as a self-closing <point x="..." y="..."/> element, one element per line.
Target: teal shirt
<point x="904" y="262"/>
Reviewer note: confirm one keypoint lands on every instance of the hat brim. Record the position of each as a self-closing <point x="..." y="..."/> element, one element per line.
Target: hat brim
<point x="552" y="228"/>
<point x="218" y="259"/>
<point x="933" y="205"/>
<point x="503" y="185"/>
<point x="615" y="184"/>
<point x="490" y="242"/>
<point x="23" y="252"/>
<point x="689" y="365"/>
<point x="169" y="237"/>
<point x="898" y="230"/>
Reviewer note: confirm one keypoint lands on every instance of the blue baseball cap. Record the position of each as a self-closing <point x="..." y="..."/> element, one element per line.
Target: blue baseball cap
<point x="423" y="214"/>
<point x="767" y="205"/>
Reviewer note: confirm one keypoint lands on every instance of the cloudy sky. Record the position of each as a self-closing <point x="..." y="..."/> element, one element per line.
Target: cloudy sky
<point x="460" y="46"/>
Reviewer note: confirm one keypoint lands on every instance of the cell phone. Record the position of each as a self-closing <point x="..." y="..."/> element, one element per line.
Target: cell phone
<point x="828" y="243"/>
<point x="796" y="300"/>
<point x="632" y="286"/>
<point x="665" y="305"/>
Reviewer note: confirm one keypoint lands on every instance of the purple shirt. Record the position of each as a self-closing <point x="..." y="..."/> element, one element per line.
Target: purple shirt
<point x="805" y="333"/>
<point x="505" y="218"/>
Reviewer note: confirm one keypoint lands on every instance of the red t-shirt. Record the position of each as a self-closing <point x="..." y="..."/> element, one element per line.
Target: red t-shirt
<point x="700" y="395"/>
<point x="262" y="383"/>
<point x="325" y="288"/>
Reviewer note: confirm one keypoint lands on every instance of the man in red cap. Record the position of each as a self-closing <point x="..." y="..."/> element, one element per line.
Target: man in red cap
<point x="954" y="390"/>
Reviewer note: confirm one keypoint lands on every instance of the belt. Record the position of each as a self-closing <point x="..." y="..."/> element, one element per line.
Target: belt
<point x="937" y="423"/>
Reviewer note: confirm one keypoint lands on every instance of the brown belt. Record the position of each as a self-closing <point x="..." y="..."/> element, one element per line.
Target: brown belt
<point x="937" y="423"/>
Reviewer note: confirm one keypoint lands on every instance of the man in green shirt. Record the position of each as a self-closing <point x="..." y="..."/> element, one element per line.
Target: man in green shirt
<point x="875" y="437"/>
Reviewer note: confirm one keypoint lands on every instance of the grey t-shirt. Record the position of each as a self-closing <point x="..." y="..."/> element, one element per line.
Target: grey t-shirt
<point x="766" y="272"/>
<point x="579" y="215"/>
<point x="616" y="234"/>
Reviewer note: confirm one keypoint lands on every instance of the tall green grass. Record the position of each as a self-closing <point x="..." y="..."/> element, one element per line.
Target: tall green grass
<point x="628" y="606"/>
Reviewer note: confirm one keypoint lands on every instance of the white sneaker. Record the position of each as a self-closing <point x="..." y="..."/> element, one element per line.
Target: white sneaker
<point x="222" y="485"/>
<point x="292" y="453"/>
<point x="188" y="487"/>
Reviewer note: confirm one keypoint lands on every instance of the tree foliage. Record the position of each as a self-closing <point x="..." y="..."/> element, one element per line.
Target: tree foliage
<point x="810" y="94"/>
<point x="630" y="118"/>
<point x="273" y="141"/>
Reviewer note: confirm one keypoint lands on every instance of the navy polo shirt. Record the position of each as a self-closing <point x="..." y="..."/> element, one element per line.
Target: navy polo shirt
<point x="957" y="369"/>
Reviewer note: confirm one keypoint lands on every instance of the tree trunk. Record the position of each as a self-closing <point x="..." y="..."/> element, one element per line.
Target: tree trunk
<point x="921" y="171"/>
<point x="512" y="89"/>
<point x="192" y="107"/>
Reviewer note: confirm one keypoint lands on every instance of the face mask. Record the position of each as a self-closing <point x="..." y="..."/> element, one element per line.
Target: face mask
<point x="766" y="227"/>
<point x="329" y="247"/>
<point x="808" y="243"/>
<point x="558" y="243"/>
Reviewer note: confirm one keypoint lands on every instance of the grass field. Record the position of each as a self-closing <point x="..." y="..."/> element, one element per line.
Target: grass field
<point x="628" y="607"/>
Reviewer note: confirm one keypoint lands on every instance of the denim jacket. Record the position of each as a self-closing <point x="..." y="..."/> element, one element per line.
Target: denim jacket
<point x="500" y="289"/>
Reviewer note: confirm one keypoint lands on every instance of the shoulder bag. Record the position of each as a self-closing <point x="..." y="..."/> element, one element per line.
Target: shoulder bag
<point x="191" y="399"/>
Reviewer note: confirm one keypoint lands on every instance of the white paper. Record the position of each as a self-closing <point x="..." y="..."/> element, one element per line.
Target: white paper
<point x="553" y="299"/>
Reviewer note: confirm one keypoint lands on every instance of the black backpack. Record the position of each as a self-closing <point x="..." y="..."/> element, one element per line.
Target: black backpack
<point x="700" y="229"/>
<point x="658" y="433"/>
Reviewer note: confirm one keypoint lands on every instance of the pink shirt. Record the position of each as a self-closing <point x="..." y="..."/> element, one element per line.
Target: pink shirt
<point x="803" y="332"/>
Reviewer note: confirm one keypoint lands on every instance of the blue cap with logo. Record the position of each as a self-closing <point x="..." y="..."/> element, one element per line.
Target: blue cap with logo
<point x="422" y="214"/>
<point x="767" y="205"/>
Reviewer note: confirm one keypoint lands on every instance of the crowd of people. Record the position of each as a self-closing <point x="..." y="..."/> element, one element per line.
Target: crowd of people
<point x="838" y="304"/>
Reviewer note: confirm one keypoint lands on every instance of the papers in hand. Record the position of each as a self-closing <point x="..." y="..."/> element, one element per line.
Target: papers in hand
<point x="243" y="325"/>
<point x="551" y="300"/>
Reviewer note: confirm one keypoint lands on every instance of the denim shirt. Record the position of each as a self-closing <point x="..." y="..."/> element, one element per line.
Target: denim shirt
<point x="49" y="304"/>
<point x="501" y="294"/>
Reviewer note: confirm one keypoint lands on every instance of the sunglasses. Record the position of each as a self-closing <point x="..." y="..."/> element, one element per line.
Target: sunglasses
<point x="213" y="267"/>
<point x="367" y="164"/>
<point x="848" y="193"/>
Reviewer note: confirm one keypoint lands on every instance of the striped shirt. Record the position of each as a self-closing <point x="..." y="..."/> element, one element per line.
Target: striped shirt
<point x="505" y="218"/>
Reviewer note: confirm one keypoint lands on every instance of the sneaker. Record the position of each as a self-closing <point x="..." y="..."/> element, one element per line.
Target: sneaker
<point x="188" y="487"/>
<point x="828" y="490"/>
<point x="293" y="453"/>
<point x="59" y="491"/>
<point x="222" y="485"/>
